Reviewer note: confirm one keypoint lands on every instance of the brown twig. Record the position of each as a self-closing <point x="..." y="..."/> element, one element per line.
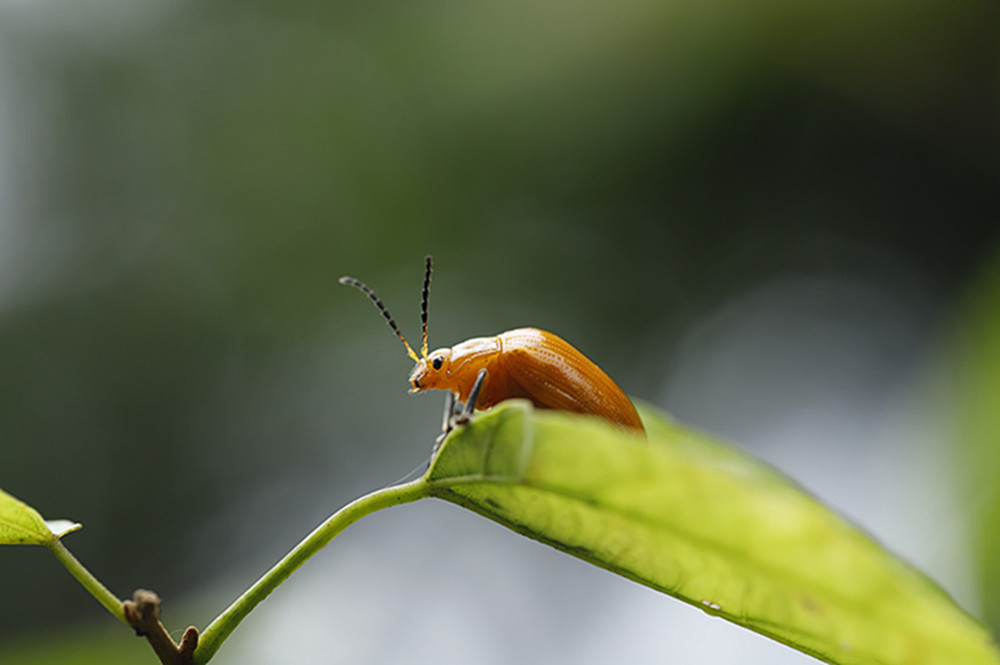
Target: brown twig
<point x="143" y="614"/>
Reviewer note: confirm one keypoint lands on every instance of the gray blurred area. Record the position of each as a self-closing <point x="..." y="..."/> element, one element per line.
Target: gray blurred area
<point x="759" y="219"/>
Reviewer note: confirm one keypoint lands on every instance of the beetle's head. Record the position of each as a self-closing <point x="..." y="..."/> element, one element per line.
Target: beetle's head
<point x="429" y="372"/>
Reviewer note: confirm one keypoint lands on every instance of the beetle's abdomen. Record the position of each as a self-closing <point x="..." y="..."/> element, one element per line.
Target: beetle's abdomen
<point x="553" y="374"/>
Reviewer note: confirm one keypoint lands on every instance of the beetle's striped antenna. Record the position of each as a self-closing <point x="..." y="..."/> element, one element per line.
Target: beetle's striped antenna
<point x="423" y="302"/>
<point x="350" y="281"/>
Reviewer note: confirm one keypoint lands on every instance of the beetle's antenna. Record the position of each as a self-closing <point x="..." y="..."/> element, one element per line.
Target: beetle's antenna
<point x="350" y="281"/>
<point x="423" y="302"/>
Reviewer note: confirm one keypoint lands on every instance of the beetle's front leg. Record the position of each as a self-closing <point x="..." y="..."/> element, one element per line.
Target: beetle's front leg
<point x="449" y="411"/>
<point x="449" y="414"/>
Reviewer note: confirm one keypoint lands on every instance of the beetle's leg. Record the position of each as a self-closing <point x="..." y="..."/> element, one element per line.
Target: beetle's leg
<point x="456" y="413"/>
<point x="470" y="406"/>
<point x="449" y="410"/>
<point x="474" y="394"/>
<point x="450" y="405"/>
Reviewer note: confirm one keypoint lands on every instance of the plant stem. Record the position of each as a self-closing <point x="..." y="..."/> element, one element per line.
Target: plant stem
<point x="225" y="623"/>
<point x="87" y="579"/>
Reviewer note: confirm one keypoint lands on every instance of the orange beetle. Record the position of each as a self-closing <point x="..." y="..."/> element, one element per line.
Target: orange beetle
<point x="527" y="362"/>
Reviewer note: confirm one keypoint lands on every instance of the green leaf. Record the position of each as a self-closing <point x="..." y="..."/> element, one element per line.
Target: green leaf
<point x="20" y="524"/>
<point x="707" y="524"/>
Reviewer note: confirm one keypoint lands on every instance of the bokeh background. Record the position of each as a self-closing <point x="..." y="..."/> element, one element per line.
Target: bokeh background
<point x="778" y="222"/>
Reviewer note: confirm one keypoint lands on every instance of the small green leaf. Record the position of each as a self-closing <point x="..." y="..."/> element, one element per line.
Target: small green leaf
<point x="20" y="524"/>
<point x="705" y="523"/>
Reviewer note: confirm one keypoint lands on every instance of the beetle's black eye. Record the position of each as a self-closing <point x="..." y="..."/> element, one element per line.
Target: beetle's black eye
<point x="437" y="361"/>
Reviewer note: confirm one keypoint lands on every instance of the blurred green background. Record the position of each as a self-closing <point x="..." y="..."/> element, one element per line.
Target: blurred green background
<point x="774" y="221"/>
